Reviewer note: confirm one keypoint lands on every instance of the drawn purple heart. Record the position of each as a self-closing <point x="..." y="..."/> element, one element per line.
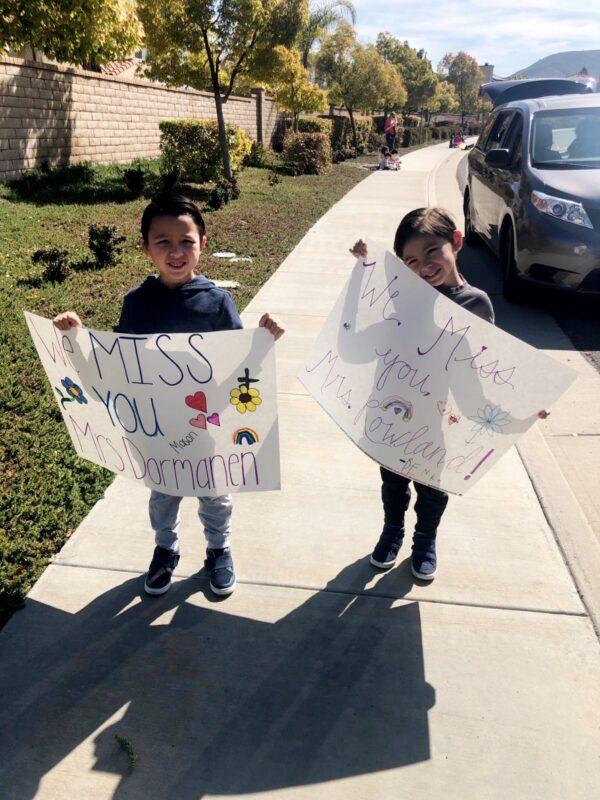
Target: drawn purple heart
<point x="214" y="419"/>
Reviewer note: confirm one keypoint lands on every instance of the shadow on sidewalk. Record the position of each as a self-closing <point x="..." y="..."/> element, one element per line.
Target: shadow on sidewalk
<point x="213" y="702"/>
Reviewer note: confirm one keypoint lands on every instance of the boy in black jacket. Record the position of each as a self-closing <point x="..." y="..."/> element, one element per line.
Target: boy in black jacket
<point x="179" y="301"/>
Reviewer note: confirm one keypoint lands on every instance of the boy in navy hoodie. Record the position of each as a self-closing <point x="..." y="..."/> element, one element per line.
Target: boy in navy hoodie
<point x="179" y="301"/>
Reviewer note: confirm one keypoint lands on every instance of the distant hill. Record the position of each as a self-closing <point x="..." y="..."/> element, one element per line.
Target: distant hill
<point x="562" y="65"/>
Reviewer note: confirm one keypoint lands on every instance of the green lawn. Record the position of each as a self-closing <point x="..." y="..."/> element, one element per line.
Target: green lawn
<point x="46" y="489"/>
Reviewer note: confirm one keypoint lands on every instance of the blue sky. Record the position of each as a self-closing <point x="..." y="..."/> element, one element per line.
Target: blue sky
<point x="511" y="34"/>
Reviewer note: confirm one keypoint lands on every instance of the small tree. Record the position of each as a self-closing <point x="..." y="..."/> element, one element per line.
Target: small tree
<point x="464" y="74"/>
<point x="321" y="18"/>
<point x="200" y="42"/>
<point x="353" y="73"/>
<point x="86" y="32"/>
<point x="415" y="70"/>
<point x="444" y="99"/>
<point x="292" y="89"/>
<point x="393" y="92"/>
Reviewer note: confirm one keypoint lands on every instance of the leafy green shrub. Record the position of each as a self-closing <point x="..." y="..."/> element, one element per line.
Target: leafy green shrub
<point x="314" y="125"/>
<point x="137" y="177"/>
<point x="223" y="192"/>
<point x="190" y="149"/>
<point x="307" y="153"/>
<point x="414" y="136"/>
<point x="56" y="265"/>
<point x="257" y="157"/>
<point x="411" y="121"/>
<point x="341" y="133"/>
<point x="379" y="123"/>
<point x="135" y="181"/>
<point x="47" y="178"/>
<point x="105" y="244"/>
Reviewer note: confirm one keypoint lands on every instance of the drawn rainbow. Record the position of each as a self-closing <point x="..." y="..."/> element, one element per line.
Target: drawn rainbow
<point x="399" y="406"/>
<point x="245" y="436"/>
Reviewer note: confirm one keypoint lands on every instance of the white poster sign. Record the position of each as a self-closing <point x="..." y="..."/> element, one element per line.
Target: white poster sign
<point x="423" y="386"/>
<point x="186" y="414"/>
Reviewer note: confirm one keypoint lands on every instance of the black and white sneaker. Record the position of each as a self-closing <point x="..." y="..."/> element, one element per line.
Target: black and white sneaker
<point x="423" y="561"/>
<point x="219" y="565"/>
<point x="158" y="579"/>
<point x="386" y="550"/>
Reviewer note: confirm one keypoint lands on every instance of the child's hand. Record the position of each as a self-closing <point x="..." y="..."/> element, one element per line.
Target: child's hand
<point x="67" y="320"/>
<point x="270" y="324"/>
<point x="543" y="414"/>
<point x="359" y="250"/>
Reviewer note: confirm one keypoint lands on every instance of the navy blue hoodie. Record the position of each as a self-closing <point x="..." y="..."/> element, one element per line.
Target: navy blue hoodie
<point x="197" y="306"/>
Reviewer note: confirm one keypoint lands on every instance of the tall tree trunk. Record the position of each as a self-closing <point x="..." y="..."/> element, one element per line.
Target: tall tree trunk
<point x="222" y="132"/>
<point x="296" y="115"/>
<point x="353" y="126"/>
<point x="214" y="76"/>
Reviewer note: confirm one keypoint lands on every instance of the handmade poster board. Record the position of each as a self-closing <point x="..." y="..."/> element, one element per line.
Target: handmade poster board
<point x="185" y="414"/>
<point x="423" y="386"/>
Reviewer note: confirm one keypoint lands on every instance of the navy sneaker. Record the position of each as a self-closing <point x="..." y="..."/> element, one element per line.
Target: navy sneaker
<point x="219" y="564"/>
<point x="423" y="560"/>
<point x="386" y="550"/>
<point x="158" y="579"/>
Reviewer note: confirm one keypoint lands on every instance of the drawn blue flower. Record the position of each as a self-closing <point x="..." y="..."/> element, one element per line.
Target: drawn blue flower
<point x="490" y="419"/>
<point x="73" y="390"/>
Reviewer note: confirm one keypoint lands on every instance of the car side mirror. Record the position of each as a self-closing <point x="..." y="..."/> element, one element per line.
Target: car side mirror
<point x="498" y="158"/>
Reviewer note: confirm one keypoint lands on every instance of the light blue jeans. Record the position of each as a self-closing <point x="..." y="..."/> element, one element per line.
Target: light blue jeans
<point x="214" y="513"/>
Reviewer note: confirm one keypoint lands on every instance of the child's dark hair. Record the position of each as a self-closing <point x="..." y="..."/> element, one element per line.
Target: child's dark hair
<point x="394" y="152"/>
<point x="424" y="222"/>
<point x="170" y="204"/>
<point x="384" y="150"/>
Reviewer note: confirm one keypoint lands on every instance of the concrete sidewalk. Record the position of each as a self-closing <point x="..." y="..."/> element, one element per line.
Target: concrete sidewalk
<point x="318" y="677"/>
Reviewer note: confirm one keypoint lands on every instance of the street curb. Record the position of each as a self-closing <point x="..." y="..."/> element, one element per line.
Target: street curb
<point x="574" y="536"/>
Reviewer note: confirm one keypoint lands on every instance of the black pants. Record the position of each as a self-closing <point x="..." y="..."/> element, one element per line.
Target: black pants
<point x="395" y="493"/>
<point x="390" y="139"/>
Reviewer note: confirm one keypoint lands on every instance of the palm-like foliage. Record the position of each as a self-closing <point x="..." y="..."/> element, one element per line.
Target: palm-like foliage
<point x="320" y="19"/>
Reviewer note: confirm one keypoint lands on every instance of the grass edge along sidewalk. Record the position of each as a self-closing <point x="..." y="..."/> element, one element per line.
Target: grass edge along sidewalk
<point x="46" y="489"/>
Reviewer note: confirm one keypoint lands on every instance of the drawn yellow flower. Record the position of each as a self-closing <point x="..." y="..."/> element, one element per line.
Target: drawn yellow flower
<point x="245" y="399"/>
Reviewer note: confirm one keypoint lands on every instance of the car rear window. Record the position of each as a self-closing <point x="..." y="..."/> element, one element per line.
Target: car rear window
<point x="566" y="138"/>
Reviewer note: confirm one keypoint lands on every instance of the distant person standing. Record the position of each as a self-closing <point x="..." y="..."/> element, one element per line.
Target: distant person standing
<point x="390" y="131"/>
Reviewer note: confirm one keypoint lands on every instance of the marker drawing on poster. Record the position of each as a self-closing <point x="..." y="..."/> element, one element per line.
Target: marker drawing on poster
<point x="168" y="410"/>
<point x="423" y="386"/>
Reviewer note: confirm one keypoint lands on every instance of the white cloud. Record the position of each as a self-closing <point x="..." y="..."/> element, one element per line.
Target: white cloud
<point x="511" y="35"/>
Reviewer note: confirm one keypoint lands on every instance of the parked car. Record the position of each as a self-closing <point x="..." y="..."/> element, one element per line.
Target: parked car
<point x="533" y="191"/>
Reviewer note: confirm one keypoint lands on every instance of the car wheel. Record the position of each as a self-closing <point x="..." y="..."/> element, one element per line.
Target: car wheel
<point x="471" y="236"/>
<point x="511" y="285"/>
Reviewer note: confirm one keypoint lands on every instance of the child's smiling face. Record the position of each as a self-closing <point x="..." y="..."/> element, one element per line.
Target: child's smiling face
<point x="174" y="246"/>
<point x="433" y="258"/>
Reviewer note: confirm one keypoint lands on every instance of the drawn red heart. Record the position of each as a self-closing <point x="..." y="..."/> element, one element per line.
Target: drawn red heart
<point x="199" y="422"/>
<point x="197" y="401"/>
<point x="214" y="419"/>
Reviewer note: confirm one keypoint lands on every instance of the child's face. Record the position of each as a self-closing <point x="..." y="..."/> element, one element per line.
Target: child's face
<point x="434" y="258"/>
<point x="174" y="247"/>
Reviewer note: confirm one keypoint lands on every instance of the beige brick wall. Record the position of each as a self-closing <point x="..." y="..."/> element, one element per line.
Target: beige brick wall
<point x="64" y="115"/>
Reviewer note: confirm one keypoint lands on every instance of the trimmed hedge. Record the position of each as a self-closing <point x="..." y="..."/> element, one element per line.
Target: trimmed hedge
<point x="307" y="153"/>
<point x="190" y="149"/>
<point x="314" y="125"/>
<point x="341" y="133"/>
